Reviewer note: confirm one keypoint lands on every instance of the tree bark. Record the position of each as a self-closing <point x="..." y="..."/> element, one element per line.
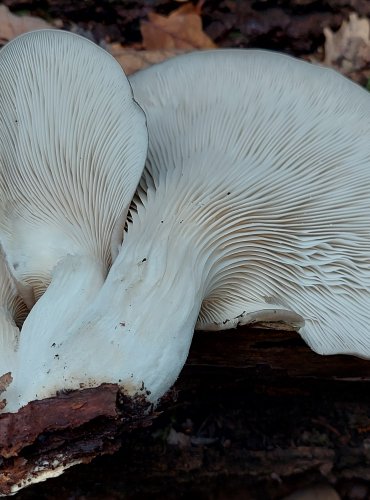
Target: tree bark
<point x="48" y="436"/>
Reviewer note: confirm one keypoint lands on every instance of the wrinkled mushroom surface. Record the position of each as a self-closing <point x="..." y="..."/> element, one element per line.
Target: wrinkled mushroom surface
<point x="254" y="206"/>
<point x="265" y="161"/>
<point x="72" y="146"/>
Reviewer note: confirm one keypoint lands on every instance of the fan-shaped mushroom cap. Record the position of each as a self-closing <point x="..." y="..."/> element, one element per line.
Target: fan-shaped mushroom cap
<point x="72" y="147"/>
<point x="254" y="206"/>
<point x="266" y="160"/>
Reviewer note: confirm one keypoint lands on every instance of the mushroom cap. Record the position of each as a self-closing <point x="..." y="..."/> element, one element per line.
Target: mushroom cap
<point x="72" y="148"/>
<point x="262" y="161"/>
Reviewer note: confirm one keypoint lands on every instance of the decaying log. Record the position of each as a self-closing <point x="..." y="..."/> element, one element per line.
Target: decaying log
<point x="46" y="437"/>
<point x="277" y="350"/>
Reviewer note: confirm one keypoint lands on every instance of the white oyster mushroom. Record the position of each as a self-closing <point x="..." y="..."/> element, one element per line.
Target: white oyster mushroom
<point x="254" y="206"/>
<point x="73" y="144"/>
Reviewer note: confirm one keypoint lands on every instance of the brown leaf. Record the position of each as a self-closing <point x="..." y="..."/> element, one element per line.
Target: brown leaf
<point x="12" y="25"/>
<point x="348" y="49"/>
<point x="182" y="29"/>
<point x="5" y="381"/>
<point x="133" y="60"/>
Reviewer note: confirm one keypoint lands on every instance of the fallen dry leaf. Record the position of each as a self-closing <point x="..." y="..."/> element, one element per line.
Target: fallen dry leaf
<point x="182" y="29"/>
<point x="348" y="50"/>
<point x="133" y="60"/>
<point x="5" y="381"/>
<point x="12" y="25"/>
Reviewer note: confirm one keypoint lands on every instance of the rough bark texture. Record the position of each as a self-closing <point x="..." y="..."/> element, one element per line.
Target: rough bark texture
<point x="48" y="436"/>
<point x="272" y="350"/>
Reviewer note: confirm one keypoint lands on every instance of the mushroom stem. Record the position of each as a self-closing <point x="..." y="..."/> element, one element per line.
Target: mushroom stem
<point x="75" y="282"/>
<point x="132" y="334"/>
<point x="138" y="330"/>
<point x="147" y="310"/>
